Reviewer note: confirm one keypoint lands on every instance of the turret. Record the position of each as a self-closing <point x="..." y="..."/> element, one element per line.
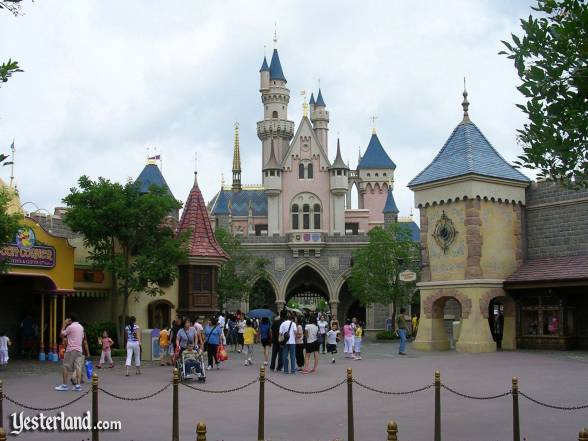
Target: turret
<point x="390" y="209"/>
<point x="339" y="176"/>
<point x="275" y="97"/>
<point x="272" y="182"/>
<point x="320" y="121"/>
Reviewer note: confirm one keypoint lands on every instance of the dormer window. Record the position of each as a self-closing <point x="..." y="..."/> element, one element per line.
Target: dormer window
<point x="338" y="172"/>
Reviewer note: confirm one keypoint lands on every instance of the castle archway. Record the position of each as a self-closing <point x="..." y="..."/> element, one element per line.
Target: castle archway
<point x="306" y="286"/>
<point x="262" y="294"/>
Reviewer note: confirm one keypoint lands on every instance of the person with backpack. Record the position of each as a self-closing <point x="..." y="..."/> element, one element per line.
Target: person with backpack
<point x="288" y="339"/>
<point x="265" y="337"/>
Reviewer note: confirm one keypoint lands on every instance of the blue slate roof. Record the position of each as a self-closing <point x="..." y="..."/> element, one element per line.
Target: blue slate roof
<point x="151" y="175"/>
<point x="264" y="65"/>
<point x="375" y="156"/>
<point x="390" y="206"/>
<point x="319" y="99"/>
<point x="414" y="230"/>
<point x="275" y="68"/>
<point x="240" y="202"/>
<point x="311" y="99"/>
<point x="467" y="151"/>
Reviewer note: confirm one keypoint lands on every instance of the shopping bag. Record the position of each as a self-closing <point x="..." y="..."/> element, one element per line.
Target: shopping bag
<point x="89" y="369"/>
<point x="221" y="353"/>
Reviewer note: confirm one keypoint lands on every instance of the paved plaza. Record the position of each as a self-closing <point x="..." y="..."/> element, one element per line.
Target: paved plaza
<point x="554" y="377"/>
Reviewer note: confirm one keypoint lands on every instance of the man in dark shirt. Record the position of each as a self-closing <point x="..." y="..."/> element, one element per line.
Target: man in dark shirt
<point x="276" y="346"/>
<point x="176" y="326"/>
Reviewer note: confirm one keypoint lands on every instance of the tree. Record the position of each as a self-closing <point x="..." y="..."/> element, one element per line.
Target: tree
<point x="9" y="224"/>
<point x="377" y="266"/>
<point x="238" y="275"/>
<point x="7" y="69"/>
<point x="126" y="234"/>
<point x="551" y="60"/>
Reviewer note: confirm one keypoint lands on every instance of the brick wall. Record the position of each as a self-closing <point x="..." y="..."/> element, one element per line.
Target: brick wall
<point x="556" y="221"/>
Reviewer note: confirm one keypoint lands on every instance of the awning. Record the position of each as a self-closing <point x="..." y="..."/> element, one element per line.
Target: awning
<point x="550" y="271"/>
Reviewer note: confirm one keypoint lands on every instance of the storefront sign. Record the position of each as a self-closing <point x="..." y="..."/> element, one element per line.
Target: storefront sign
<point x="407" y="276"/>
<point x="24" y="252"/>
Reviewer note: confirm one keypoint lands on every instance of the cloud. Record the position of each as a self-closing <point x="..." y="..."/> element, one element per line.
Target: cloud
<point x="105" y="80"/>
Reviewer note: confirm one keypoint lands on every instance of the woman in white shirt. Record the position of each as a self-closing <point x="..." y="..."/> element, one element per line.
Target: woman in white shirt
<point x="322" y="334"/>
<point x="312" y="345"/>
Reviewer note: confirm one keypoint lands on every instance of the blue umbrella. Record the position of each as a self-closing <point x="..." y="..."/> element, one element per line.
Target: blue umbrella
<point x="260" y="313"/>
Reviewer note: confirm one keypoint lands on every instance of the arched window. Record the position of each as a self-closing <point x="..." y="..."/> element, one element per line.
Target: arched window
<point x="309" y="171"/>
<point x="317" y="216"/>
<point x="275" y="114"/>
<point x="295" y="223"/>
<point x="306" y="217"/>
<point x="301" y="171"/>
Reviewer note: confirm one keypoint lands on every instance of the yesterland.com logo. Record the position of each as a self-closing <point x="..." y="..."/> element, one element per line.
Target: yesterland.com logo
<point x="58" y="423"/>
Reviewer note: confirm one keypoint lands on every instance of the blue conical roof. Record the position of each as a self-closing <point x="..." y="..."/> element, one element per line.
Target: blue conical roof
<point x="264" y="65"/>
<point x="375" y="156"/>
<point x="311" y="99"/>
<point x="390" y="206"/>
<point x="319" y="100"/>
<point x="275" y="68"/>
<point x="467" y="151"/>
<point x="151" y="175"/>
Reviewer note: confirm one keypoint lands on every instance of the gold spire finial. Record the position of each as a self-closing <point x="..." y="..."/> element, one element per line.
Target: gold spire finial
<point x="373" y="118"/>
<point x="304" y="103"/>
<point x="465" y="103"/>
<point x="222" y="180"/>
<point x="275" y="33"/>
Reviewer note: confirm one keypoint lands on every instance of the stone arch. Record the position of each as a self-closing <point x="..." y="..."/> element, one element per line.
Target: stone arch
<point x="339" y="282"/>
<point x="159" y="313"/>
<point x="294" y="269"/>
<point x="497" y="296"/>
<point x="428" y="304"/>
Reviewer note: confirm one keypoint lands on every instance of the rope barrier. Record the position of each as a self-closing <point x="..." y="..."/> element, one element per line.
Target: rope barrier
<point x="145" y="397"/>
<point x="223" y="391"/>
<point x="303" y="392"/>
<point x="553" y="406"/>
<point x="475" y="397"/>
<point x="383" y="392"/>
<point x="47" y="409"/>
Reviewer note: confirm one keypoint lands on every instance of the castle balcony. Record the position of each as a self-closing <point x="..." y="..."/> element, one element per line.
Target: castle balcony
<point x="275" y="127"/>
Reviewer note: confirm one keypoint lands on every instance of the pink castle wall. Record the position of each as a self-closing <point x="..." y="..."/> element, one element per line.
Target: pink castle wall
<point x="374" y="200"/>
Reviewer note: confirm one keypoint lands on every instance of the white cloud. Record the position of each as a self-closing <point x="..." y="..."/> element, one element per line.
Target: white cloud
<point x="105" y="80"/>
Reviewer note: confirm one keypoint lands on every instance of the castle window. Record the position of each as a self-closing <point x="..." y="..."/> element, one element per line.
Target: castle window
<point x="317" y="216"/>
<point x="275" y="114"/>
<point x="333" y="172"/>
<point x="272" y="172"/>
<point x="368" y="175"/>
<point x="295" y="224"/>
<point x="309" y="171"/>
<point x="301" y="171"/>
<point x="376" y="174"/>
<point x="384" y="174"/>
<point x="201" y="278"/>
<point x="306" y="217"/>
<point x="259" y="228"/>
<point x="265" y="173"/>
<point x="338" y="172"/>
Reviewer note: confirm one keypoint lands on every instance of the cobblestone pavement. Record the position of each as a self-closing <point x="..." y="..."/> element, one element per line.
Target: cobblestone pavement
<point x="554" y="377"/>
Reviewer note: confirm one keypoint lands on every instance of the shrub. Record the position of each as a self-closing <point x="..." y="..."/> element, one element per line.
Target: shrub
<point x="386" y="335"/>
<point x="94" y="330"/>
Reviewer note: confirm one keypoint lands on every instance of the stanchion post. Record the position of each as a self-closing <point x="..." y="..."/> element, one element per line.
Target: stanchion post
<point x="437" y="435"/>
<point x="201" y="431"/>
<point x="582" y="437"/>
<point x="261" y="420"/>
<point x="1" y="404"/>
<point x="350" y="428"/>
<point x="175" y="407"/>
<point x="392" y="431"/>
<point x="2" y="434"/>
<point x="516" y="428"/>
<point x="95" y="432"/>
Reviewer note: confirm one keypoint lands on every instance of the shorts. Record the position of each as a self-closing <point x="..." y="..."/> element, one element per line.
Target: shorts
<point x="73" y="360"/>
<point x="265" y="342"/>
<point x="240" y="338"/>
<point x="312" y="347"/>
<point x="357" y="345"/>
<point x="332" y="349"/>
<point x="248" y="349"/>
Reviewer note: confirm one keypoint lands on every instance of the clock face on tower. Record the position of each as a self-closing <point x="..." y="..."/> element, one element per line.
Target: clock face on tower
<point x="444" y="233"/>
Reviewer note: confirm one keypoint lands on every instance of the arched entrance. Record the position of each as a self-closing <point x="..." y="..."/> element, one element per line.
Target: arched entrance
<point x="159" y="314"/>
<point x="349" y="306"/>
<point x="446" y="313"/>
<point x="307" y="287"/>
<point x="262" y="295"/>
<point x="501" y="317"/>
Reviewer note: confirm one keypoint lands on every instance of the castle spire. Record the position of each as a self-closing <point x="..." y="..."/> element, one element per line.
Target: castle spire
<point x="236" y="161"/>
<point x="465" y="103"/>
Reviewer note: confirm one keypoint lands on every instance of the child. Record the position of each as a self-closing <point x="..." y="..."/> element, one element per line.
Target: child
<point x="348" y="339"/>
<point x="249" y="334"/>
<point x="164" y="346"/>
<point x="106" y="343"/>
<point x="4" y="343"/>
<point x="357" y="341"/>
<point x="332" y="339"/>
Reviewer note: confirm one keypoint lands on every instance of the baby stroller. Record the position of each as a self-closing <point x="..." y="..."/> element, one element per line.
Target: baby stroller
<point x="191" y="368"/>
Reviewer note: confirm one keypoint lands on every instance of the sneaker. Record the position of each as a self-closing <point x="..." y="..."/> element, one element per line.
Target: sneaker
<point x="111" y="366"/>
<point x="98" y="366"/>
<point x="217" y="366"/>
<point x="358" y="358"/>
<point x="265" y="363"/>
<point x="77" y="388"/>
<point x="209" y="368"/>
<point x="62" y="387"/>
<point x="333" y="361"/>
<point x="402" y="353"/>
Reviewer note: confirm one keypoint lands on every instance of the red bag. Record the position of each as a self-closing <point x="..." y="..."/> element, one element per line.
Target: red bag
<point x="221" y="353"/>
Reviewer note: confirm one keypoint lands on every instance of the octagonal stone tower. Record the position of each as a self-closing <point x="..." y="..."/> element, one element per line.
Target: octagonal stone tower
<point x="470" y="202"/>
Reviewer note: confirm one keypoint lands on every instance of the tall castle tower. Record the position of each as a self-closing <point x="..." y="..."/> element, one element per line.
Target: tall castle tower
<point x="320" y="120"/>
<point x="275" y="97"/>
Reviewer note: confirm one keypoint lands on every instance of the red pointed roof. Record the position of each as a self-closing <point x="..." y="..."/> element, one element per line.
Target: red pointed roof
<point x="201" y="242"/>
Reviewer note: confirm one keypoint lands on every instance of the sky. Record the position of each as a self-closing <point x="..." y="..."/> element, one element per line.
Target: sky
<point x="105" y="80"/>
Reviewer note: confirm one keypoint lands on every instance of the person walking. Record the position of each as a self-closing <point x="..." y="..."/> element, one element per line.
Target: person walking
<point x="401" y="329"/>
<point x="414" y="325"/>
<point x="4" y="344"/>
<point x="105" y="357"/>
<point x="240" y="330"/>
<point x="348" y="339"/>
<point x="264" y="335"/>
<point x="133" y="335"/>
<point x="358" y="337"/>
<point x="249" y="335"/>
<point x="322" y="334"/>
<point x="72" y="359"/>
<point x="288" y="332"/>
<point x="276" y="345"/>
<point x="332" y="339"/>
<point x="164" y="335"/>
<point x="312" y="345"/>
<point x="212" y="335"/>
<point x="187" y="334"/>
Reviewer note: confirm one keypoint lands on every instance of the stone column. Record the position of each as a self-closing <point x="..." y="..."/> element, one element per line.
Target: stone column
<point x="334" y="304"/>
<point x="280" y="305"/>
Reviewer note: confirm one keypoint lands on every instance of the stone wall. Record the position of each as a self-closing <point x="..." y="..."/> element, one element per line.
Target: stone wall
<point x="556" y="221"/>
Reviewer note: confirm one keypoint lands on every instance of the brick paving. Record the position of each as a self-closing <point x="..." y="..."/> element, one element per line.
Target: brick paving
<point x="554" y="377"/>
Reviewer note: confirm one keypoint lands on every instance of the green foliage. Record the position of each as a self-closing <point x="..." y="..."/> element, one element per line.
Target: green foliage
<point x="7" y="69"/>
<point x="238" y="275"/>
<point x="95" y="330"/>
<point x="293" y="304"/>
<point x="9" y="224"/>
<point x="126" y="233"/>
<point x="551" y="59"/>
<point x="322" y="305"/>
<point x="386" y="335"/>
<point x="376" y="267"/>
